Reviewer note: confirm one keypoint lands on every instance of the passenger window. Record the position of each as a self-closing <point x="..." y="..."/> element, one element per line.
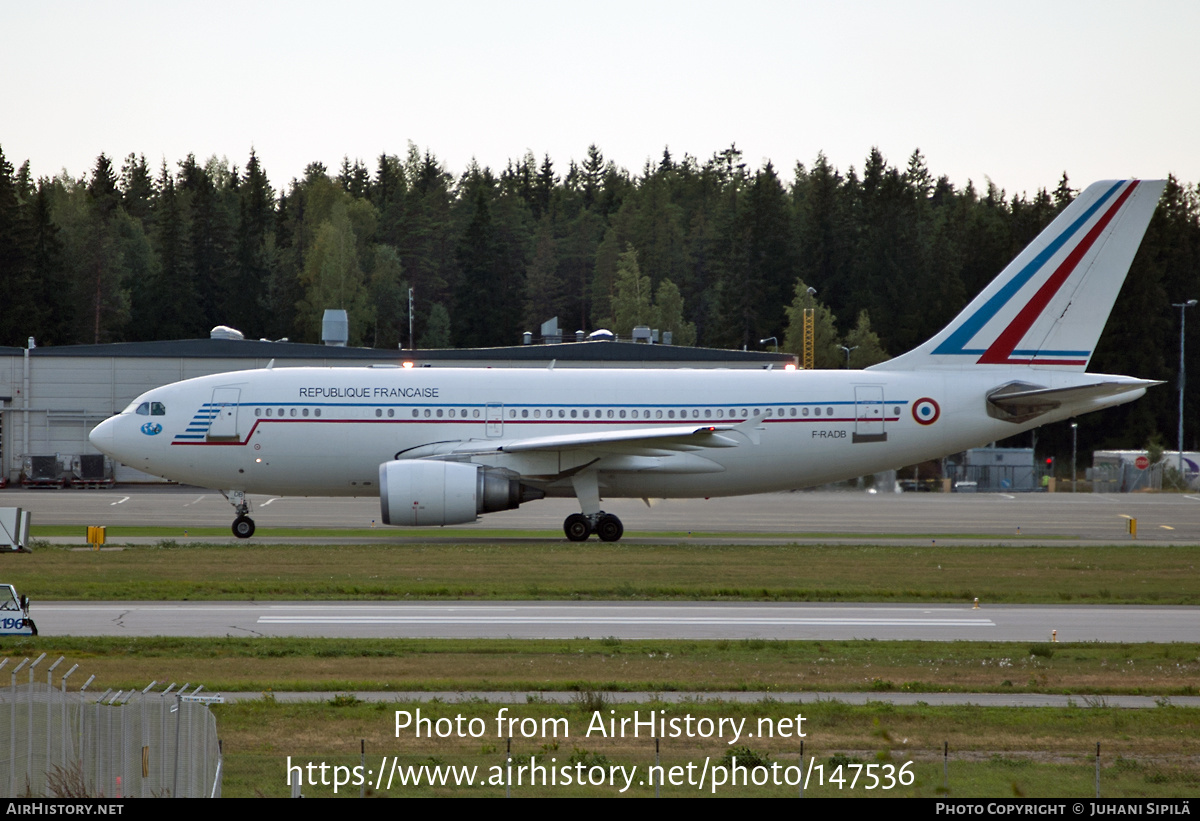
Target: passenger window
<point x="305" y="411"/>
<point x="258" y="411"/>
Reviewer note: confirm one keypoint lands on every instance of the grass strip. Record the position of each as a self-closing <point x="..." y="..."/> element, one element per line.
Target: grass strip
<point x="177" y="570"/>
<point x="993" y="752"/>
<point x="652" y="665"/>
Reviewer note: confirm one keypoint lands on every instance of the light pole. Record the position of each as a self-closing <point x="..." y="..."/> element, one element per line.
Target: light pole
<point x="770" y="339"/>
<point x="1182" y="306"/>
<point x="848" y="350"/>
<point x="1074" y="440"/>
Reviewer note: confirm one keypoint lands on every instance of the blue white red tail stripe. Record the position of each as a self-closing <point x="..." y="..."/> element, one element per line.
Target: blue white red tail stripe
<point x="1001" y="351"/>
<point x="1048" y="307"/>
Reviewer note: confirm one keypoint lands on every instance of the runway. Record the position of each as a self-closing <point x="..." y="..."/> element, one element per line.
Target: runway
<point x="1164" y="520"/>
<point x="800" y="516"/>
<point x="658" y="620"/>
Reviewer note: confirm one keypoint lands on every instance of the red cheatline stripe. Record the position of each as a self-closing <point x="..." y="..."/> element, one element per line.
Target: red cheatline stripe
<point x="1007" y="341"/>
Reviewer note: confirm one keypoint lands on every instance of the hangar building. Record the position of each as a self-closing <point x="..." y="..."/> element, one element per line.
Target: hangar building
<point x="52" y="397"/>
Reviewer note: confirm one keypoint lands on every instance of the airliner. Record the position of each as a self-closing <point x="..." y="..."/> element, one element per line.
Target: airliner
<point x="444" y="446"/>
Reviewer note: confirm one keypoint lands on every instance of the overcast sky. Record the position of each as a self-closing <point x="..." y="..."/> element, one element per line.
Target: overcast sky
<point x="1017" y="92"/>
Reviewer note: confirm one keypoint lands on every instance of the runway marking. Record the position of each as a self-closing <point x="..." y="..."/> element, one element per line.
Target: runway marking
<point x="1006" y="496"/>
<point x="264" y="504"/>
<point x="201" y="499"/>
<point x="628" y="620"/>
<point x="1193" y="498"/>
<point x="1166" y="527"/>
<point x="119" y="502"/>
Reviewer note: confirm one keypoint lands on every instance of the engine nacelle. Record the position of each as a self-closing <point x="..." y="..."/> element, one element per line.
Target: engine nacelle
<point x="433" y="492"/>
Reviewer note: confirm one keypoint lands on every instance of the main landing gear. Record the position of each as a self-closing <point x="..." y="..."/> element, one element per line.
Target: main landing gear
<point x="579" y="526"/>
<point x="243" y="525"/>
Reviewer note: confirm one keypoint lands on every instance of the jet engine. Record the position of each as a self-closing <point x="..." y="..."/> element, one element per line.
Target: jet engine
<point x="434" y="492"/>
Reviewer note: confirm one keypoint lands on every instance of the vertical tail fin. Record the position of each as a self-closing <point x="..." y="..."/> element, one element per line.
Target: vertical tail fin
<point x="1049" y="305"/>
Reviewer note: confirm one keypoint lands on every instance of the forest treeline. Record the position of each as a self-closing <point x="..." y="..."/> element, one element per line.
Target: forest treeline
<point x="720" y="254"/>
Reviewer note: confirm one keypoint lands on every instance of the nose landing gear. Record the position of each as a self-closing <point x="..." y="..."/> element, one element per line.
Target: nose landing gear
<point x="243" y="525"/>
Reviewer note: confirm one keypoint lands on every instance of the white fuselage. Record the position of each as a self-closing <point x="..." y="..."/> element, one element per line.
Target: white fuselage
<point x="326" y="431"/>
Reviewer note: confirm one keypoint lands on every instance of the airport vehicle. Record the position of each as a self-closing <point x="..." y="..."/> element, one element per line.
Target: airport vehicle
<point x="442" y="446"/>
<point x="14" y="613"/>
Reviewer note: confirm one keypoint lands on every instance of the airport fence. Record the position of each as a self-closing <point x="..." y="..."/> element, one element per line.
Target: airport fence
<point x="123" y="745"/>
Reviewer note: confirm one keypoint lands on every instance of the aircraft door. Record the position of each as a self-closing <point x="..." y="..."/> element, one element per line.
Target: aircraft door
<point x="868" y="414"/>
<point x="225" y="414"/>
<point x="495" y="421"/>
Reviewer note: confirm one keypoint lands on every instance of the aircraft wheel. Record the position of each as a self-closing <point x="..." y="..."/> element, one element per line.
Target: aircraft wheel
<point x="577" y="527"/>
<point x="609" y="528"/>
<point x="243" y="527"/>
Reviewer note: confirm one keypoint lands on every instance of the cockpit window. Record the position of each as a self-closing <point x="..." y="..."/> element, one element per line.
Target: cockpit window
<point x="143" y="409"/>
<point x="157" y="409"/>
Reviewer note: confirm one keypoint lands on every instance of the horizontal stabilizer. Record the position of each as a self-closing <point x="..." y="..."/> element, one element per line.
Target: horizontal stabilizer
<point x="1021" y="401"/>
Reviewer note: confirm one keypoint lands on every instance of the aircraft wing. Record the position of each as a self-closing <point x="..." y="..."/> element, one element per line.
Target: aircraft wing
<point x="698" y="436"/>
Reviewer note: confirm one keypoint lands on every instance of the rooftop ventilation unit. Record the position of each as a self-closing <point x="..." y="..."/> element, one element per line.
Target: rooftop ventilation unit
<point x="335" y="327"/>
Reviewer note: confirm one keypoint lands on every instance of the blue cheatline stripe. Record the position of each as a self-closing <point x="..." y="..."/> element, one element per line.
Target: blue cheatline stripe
<point x="964" y="333"/>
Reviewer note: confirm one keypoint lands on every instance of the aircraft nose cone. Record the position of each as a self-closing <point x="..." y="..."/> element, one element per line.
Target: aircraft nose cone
<point x="103" y="435"/>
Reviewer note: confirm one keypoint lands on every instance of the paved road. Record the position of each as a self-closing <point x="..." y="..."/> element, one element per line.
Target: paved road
<point x="673" y="620"/>
<point x="1096" y="518"/>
